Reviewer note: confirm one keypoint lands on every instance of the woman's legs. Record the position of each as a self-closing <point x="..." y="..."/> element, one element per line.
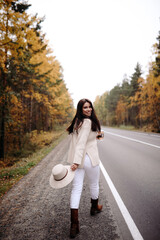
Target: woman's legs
<point x="77" y="186"/>
<point x="93" y="177"/>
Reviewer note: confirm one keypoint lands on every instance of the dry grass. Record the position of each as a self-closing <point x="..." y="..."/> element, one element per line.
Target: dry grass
<point x="44" y="143"/>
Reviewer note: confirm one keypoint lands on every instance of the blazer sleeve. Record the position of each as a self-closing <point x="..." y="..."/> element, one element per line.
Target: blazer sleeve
<point x="81" y="141"/>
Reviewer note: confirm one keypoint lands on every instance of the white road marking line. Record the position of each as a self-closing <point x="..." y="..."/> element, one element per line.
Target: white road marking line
<point x="132" y="139"/>
<point x="126" y="215"/>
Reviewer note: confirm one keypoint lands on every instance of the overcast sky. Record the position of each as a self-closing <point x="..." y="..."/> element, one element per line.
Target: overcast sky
<point x="98" y="41"/>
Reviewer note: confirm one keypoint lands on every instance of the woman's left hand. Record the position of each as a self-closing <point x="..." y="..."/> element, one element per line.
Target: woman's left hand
<point x="74" y="166"/>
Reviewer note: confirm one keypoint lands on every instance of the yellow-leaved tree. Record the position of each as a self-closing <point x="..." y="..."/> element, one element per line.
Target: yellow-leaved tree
<point x="100" y="108"/>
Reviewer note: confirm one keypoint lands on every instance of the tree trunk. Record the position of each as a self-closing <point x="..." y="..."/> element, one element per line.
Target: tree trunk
<point x="30" y="114"/>
<point x="2" y="137"/>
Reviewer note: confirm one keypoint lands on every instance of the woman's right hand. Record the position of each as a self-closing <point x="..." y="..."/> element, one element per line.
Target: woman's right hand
<point x="74" y="166"/>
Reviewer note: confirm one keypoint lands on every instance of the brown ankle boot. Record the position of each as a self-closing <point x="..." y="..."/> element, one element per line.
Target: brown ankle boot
<point x="74" y="230"/>
<point x="95" y="208"/>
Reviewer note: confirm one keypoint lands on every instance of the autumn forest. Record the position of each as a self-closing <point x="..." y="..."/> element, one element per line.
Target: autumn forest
<point x="136" y="101"/>
<point x="33" y="93"/>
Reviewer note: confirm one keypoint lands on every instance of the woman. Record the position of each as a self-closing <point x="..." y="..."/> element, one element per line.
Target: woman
<point x="83" y="157"/>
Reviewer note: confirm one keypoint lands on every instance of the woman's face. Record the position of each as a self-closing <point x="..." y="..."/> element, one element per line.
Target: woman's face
<point x="87" y="109"/>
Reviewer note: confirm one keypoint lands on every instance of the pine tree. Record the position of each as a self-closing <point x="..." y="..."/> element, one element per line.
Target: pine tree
<point x="134" y="85"/>
<point x="134" y="79"/>
<point x="156" y="66"/>
<point x="111" y="103"/>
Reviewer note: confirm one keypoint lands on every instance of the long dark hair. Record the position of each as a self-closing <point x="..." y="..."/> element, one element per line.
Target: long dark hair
<point x="79" y="117"/>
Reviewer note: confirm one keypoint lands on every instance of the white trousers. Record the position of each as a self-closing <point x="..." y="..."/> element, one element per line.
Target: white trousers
<point x="77" y="184"/>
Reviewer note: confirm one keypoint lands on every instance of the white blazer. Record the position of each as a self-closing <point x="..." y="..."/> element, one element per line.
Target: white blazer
<point x="83" y="143"/>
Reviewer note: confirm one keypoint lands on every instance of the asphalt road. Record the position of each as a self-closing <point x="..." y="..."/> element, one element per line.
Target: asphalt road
<point x="132" y="160"/>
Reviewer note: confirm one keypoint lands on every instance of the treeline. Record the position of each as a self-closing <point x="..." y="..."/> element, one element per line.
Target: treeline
<point x="136" y="101"/>
<point x="33" y="94"/>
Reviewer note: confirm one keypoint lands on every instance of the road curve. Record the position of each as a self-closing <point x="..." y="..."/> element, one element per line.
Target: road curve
<point x="132" y="160"/>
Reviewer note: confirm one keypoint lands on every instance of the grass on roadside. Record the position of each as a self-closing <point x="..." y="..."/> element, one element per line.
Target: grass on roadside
<point x="125" y="127"/>
<point x="12" y="174"/>
<point x="147" y="128"/>
<point x="128" y="127"/>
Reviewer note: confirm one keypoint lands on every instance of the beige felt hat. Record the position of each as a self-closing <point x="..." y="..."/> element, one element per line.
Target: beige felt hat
<point x="61" y="176"/>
